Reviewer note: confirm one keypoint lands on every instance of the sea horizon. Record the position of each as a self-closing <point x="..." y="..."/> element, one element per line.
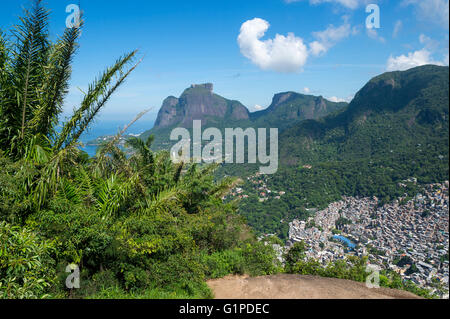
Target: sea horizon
<point x="112" y="127"/>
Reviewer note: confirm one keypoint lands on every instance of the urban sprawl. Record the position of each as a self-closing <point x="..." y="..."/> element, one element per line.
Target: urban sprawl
<point x="409" y="235"/>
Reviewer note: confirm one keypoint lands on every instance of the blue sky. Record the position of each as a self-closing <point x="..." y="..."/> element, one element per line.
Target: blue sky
<point x="329" y="51"/>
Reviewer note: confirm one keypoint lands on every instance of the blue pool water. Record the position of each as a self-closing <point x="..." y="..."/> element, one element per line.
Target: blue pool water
<point x="345" y="240"/>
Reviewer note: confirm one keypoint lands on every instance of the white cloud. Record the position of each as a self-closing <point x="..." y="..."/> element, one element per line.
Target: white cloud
<point x="397" y="27"/>
<point x="419" y="57"/>
<point x="306" y="90"/>
<point x="337" y="99"/>
<point x="258" y="107"/>
<point x="435" y="11"/>
<point x="317" y="48"/>
<point x="350" y="4"/>
<point x="328" y="38"/>
<point x="287" y="53"/>
<point x="281" y="54"/>
<point x="429" y="43"/>
<point x="413" y="59"/>
<point x="373" y="34"/>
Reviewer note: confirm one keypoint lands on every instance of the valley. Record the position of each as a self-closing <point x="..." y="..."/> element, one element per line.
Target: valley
<point x="365" y="163"/>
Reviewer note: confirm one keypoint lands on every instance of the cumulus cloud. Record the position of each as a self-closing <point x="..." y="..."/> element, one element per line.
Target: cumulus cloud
<point x="435" y="11"/>
<point x="337" y="99"/>
<point x="328" y="38"/>
<point x="281" y="54"/>
<point x="306" y="90"/>
<point x="413" y="59"/>
<point x="419" y="57"/>
<point x="258" y="107"/>
<point x="287" y="53"/>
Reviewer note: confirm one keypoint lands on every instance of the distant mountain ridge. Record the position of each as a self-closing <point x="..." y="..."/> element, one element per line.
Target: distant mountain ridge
<point x="288" y="107"/>
<point x="199" y="102"/>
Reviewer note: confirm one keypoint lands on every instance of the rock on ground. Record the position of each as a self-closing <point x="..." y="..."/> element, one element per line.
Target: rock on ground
<point x="287" y="286"/>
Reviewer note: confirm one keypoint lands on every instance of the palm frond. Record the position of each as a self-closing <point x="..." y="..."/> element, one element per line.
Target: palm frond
<point x="3" y="59"/>
<point x="178" y="170"/>
<point x="57" y="75"/>
<point x="113" y="193"/>
<point x="30" y="55"/>
<point x="96" y="97"/>
<point x="85" y="184"/>
<point x="164" y="201"/>
<point x="68" y="191"/>
<point x="110" y="150"/>
<point x="51" y="174"/>
<point x="225" y="186"/>
<point x="143" y="149"/>
<point x="38" y="150"/>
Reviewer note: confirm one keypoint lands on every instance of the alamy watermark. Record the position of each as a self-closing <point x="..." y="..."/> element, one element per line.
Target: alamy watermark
<point x="73" y="20"/>
<point x="73" y="279"/>
<point x="373" y="279"/>
<point x="373" y="19"/>
<point x="212" y="152"/>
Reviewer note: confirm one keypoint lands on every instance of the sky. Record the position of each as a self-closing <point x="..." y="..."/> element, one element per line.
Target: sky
<point x="250" y="50"/>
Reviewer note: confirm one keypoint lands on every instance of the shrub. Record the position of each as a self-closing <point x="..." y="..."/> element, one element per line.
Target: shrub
<point x="26" y="269"/>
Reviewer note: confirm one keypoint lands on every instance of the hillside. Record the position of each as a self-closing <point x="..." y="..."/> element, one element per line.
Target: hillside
<point x="396" y="128"/>
<point x="289" y="107"/>
<point x="393" y="111"/>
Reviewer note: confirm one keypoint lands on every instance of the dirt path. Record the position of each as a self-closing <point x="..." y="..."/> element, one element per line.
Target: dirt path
<point x="286" y="286"/>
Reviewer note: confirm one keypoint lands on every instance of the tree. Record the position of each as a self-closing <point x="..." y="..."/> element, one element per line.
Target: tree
<point x="295" y="254"/>
<point x="34" y="81"/>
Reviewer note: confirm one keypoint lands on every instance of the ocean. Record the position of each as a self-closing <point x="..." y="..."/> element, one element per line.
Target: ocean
<point x="112" y="127"/>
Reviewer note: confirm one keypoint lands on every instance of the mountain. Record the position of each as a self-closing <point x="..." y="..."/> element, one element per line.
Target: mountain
<point x="392" y="139"/>
<point x="290" y="107"/>
<point x="392" y="112"/>
<point x="199" y="102"/>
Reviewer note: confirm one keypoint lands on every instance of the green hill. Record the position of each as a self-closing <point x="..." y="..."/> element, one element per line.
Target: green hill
<point x="290" y="107"/>
<point x="395" y="128"/>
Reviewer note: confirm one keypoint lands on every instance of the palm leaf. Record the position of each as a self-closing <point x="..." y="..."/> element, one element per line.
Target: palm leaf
<point x="30" y="53"/>
<point x="96" y="97"/>
<point x="56" y="84"/>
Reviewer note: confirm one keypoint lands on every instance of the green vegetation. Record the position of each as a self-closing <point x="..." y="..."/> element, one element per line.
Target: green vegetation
<point x="137" y="226"/>
<point x="395" y="129"/>
<point x="140" y="226"/>
<point x="351" y="268"/>
<point x="26" y="267"/>
<point x="290" y="107"/>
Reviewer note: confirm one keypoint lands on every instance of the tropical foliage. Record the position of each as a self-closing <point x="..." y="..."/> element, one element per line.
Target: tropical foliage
<point x="136" y="225"/>
<point x="351" y="268"/>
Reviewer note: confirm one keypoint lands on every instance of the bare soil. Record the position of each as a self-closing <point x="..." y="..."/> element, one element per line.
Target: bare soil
<point x="287" y="286"/>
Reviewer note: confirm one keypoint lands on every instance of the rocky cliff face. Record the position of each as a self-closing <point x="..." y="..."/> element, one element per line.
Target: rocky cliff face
<point x="288" y="107"/>
<point x="168" y="114"/>
<point x="199" y="103"/>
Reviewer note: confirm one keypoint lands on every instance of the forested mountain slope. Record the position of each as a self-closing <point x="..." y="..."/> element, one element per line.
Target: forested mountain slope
<point x="395" y="129"/>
